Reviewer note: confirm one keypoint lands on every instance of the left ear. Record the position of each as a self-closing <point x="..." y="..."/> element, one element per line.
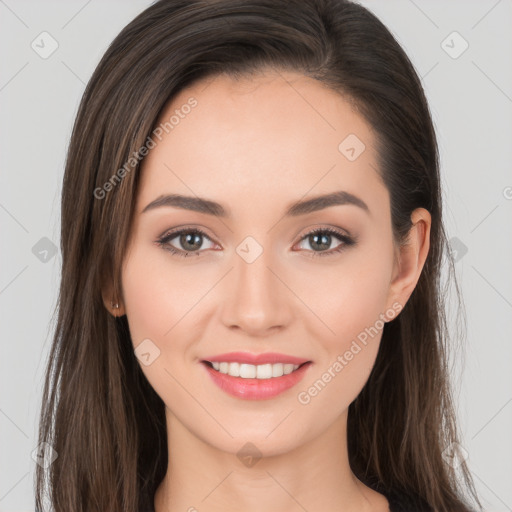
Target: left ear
<point x="411" y="258"/>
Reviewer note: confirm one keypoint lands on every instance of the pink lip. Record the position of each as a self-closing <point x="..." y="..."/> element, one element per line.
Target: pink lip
<point x="256" y="389"/>
<point x="248" y="358"/>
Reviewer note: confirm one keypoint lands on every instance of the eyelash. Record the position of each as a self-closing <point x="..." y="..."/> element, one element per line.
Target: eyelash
<point x="347" y="241"/>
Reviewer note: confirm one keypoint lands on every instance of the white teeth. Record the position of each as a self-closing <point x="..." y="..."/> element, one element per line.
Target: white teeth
<point x="264" y="371"/>
<point x="247" y="371"/>
<point x="288" y="368"/>
<point x="277" y="370"/>
<point x="250" y="371"/>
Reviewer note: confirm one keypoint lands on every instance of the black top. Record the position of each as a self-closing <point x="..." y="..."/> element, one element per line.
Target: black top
<point x="398" y="502"/>
<point x="401" y="502"/>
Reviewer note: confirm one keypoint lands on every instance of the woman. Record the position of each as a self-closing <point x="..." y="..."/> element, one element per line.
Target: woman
<point x="250" y="314"/>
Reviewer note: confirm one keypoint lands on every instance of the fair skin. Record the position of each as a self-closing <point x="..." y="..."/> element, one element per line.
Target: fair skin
<point x="256" y="146"/>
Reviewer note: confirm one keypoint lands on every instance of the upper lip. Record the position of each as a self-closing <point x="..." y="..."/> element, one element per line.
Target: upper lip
<point x="256" y="359"/>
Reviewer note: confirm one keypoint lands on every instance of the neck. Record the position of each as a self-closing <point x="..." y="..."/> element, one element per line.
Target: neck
<point x="313" y="476"/>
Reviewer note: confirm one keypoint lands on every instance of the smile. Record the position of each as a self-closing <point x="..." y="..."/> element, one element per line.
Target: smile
<point x="251" y="371"/>
<point x="255" y="381"/>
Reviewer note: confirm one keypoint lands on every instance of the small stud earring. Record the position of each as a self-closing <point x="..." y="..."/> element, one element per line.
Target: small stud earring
<point x="115" y="306"/>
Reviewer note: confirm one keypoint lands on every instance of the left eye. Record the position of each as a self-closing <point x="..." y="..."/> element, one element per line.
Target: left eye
<point x="322" y="239"/>
<point x="191" y="241"/>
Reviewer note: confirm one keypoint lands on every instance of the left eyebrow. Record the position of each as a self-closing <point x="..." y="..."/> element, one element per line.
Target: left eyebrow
<point x="325" y="201"/>
<point x="209" y="207"/>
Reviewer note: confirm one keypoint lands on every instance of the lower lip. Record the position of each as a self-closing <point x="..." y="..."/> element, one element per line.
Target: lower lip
<point x="256" y="389"/>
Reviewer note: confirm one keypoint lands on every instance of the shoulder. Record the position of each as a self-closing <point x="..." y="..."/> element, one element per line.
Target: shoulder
<point x="401" y="501"/>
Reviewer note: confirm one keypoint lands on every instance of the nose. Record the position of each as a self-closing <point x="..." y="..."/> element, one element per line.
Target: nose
<point x="256" y="300"/>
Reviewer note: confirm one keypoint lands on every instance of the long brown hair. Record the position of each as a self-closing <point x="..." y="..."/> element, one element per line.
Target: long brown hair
<point x="99" y="412"/>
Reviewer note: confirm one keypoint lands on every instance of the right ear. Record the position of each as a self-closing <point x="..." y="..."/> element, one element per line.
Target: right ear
<point x="113" y="304"/>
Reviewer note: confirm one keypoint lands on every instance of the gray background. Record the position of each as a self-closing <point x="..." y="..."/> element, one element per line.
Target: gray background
<point x="471" y="101"/>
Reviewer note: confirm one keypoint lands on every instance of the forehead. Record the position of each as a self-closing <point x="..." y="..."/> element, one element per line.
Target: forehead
<point x="275" y="134"/>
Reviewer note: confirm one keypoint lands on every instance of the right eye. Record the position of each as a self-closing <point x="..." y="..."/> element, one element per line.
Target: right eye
<point x="189" y="239"/>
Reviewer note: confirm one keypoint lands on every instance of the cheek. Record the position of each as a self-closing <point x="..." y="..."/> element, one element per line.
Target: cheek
<point x="361" y="302"/>
<point x="351" y="306"/>
<point x="158" y="296"/>
<point x="363" y="290"/>
<point x="345" y="299"/>
<point x="165" y="303"/>
<point x="161" y="301"/>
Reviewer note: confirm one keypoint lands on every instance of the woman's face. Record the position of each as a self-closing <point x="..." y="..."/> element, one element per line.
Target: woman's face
<point x="254" y="279"/>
